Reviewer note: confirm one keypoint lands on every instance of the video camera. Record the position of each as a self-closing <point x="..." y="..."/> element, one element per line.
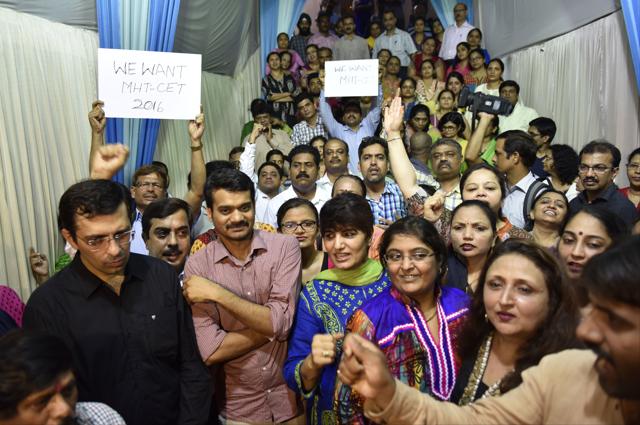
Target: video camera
<point x="480" y="102"/>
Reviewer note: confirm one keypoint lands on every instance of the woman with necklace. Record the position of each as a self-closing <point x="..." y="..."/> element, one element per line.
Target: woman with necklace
<point x="548" y="216"/>
<point x="478" y="73"/>
<point x="446" y="103"/>
<point x="521" y="311"/>
<point x="416" y="321"/>
<point x="391" y="79"/>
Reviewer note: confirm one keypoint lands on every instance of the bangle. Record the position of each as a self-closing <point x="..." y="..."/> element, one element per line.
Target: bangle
<point x="196" y="148"/>
<point x="395" y="138"/>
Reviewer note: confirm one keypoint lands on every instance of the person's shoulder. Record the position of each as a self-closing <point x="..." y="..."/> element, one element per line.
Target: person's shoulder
<point x="574" y="362"/>
<point x="149" y="268"/>
<point x="455" y="301"/>
<point x="55" y="285"/>
<point x="275" y="240"/>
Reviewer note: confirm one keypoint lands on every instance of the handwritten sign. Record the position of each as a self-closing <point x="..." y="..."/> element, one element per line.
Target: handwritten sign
<point x="351" y="78"/>
<point x="140" y="84"/>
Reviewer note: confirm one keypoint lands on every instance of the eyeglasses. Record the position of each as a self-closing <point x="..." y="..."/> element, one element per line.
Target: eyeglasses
<point x="598" y="169"/>
<point x="633" y="166"/>
<point x="292" y="226"/>
<point x="102" y="242"/>
<point x="416" y="257"/>
<point x="147" y="185"/>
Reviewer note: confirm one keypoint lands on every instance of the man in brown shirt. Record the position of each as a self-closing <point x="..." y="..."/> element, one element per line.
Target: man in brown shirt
<point x="264" y="137"/>
<point x="244" y="288"/>
<point x="570" y="387"/>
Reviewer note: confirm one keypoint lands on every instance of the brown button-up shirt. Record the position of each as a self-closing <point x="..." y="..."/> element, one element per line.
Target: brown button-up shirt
<point x="254" y="388"/>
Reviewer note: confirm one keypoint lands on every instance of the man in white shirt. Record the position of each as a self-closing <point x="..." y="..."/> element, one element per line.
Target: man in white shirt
<point x="455" y="33"/>
<point x="398" y="42"/>
<point x="521" y="116"/>
<point x="304" y="163"/>
<point x="515" y="154"/>
<point x="350" y="46"/>
<point x="336" y="162"/>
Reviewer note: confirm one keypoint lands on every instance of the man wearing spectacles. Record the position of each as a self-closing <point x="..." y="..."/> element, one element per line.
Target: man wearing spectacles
<point x="122" y="315"/>
<point x="599" y="166"/>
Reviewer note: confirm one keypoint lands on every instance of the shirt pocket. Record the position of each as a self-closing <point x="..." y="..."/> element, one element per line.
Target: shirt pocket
<point x="161" y="328"/>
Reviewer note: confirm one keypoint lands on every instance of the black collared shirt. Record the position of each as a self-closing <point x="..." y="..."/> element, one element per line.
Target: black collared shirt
<point x="612" y="200"/>
<point x="136" y="352"/>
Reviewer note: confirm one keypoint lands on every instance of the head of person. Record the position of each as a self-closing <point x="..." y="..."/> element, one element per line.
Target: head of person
<point x="274" y="62"/>
<point x="304" y="24"/>
<point x="304" y="163"/>
<point x="542" y="130"/>
<point x="562" y="162"/>
<point x="312" y="53"/>
<point x="415" y="257"/>
<point x="346" y="226"/>
<point x="510" y="90"/>
<point x="299" y="217"/>
<point x="149" y="183"/>
<point x="348" y="25"/>
<point x="325" y="54"/>
<point x="455" y="82"/>
<point x="460" y="12"/>
<point x="389" y="20"/>
<point x="588" y="233"/>
<point x="270" y="177"/>
<point x="94" y="217"/>
<point x="452" y="125"/>
<point x="446" y="100"/>
<point x="420" y="144"/>
<point x="550" y="208"/>
<point x="462" y="51"/>
<point x="373" y="154"/>
<point x="633" y="168"/>
<point x="408" y="88"/>
<point x="495" y="69"/>
<point x="261" y="112"/>
<point x="324" y="22"/>
<point x="230" y="198"/>
<point x="522" y="295"/>
<point x="305" y="106"/>
<point x="277" y="157"/>
<point x="599" y="165"/>
<point x="383" y="56"/>
<point x="612" y="323"/>
<point x="211" y="167"/>
<point x="484" y="183"/>
<point x="515" y="149"/>
<point x="336" y="156"/>
<point x="352" y="114"/>
<point x="419" y="117"/>
<point x="393" y="66"/>
<point x="427" y="68"/>
<point x="446" y="157"/>
<point x="37" y="385"/>
<point x="476" y="59"/>
<point x="166" y="231"/>
<point x="285" y="60"/>
<point x="419" y="25"/>
<point x="473" y="229"/>
<point x="164" y="167"/>
<point x="318" y="142"/>
<point x="283" y="40"/>
<point x="348" y="183"/>
<point x="314" y="84"/>
<point x="474" y="38"/>
<point x="234" y="156"/>
<point x="375" y="29"/>
<point x="437" y="27"/>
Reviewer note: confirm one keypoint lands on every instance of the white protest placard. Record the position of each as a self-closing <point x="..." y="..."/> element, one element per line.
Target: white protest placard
<point x="351" y="78"/>
<point x="141" y="84"/>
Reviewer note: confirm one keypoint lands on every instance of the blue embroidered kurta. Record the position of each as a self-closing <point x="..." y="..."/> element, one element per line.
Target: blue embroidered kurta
<point x="413" y="356"/>
<point x="324" y="307"/>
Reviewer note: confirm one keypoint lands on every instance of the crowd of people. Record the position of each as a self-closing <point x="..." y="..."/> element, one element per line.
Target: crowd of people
<point x="354" y="260"/>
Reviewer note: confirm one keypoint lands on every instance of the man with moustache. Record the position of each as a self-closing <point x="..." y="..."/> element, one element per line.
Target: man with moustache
<point x="304" y="163"/>
<point x="350" y="46"/>
<point x="299" y="41"/>
<point x="243" y="287"/>
<point x="446" y="157"/>
<point x="597" y="386"/>
<point x="385" y="198"/>
<point x="336" y="162"/>
<point x="599" y="166"/>
<point x="122" y="315"/>
<point x="166" y="231"/>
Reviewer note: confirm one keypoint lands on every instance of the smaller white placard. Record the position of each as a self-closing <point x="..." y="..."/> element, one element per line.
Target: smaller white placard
<point x="351" y="78"/>
<point x="141" y="84"/>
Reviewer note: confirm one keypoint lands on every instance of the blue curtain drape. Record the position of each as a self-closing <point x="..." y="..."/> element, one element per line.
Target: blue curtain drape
<point x="268" y="28"/>
<point x="297" y="10"/>
<point x="136" y="25"/>
<point x="631" y="13"/>
<point x="444" y="10"/>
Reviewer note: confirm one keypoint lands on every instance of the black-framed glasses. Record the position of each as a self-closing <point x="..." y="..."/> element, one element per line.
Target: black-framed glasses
<point x="415" y="257"/>
<point x="633" y="166"/>
<point x="598" y="169"/>
<point x="102" y="242"/>
<point x="292" y="226"/>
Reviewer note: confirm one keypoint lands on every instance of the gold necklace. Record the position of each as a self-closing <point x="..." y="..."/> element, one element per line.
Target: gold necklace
<point x="477" y="373"/>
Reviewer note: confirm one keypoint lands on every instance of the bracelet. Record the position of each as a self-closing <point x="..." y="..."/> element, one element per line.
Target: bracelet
<point x="196" y="148"/>
<point x="395" y="138"/>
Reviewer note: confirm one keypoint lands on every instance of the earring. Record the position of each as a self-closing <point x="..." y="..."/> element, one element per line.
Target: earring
<point x="486" y="318"/>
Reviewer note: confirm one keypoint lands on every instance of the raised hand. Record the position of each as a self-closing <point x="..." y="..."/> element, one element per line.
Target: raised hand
<point x="434" y="207"/>
<point x="196" y="127"/>
<point x="394" y="116"/>
<point x="107" y="160"/>
<point x="39" y="265"/>
<point x="323" y="349"/>
<point x="96" y="116"/>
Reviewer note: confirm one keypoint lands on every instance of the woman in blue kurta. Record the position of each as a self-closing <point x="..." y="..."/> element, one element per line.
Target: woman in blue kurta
<point x="327" y="302"/>
<point x="416" y="321"/>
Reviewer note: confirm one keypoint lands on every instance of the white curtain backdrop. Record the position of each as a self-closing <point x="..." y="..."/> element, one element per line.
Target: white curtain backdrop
<point x="47" y="84"/>
<point x="584" y="81"/>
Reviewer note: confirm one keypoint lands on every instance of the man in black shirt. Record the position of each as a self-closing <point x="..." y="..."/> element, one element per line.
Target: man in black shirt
<point x="122" y="315"/>
<point x="599" y="165"/>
